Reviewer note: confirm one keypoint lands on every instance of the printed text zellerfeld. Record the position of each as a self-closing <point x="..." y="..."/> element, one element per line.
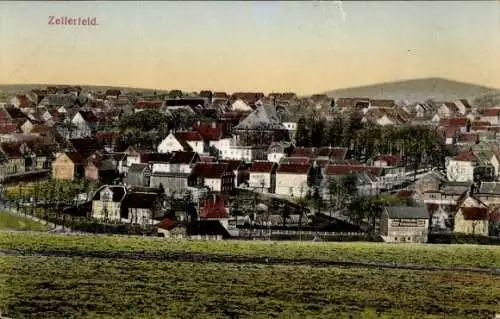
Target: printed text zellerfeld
<point x="77" y="21"/>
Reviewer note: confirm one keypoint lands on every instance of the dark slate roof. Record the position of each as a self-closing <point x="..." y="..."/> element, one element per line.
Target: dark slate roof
<point x="207" y="227"/>
<point x="405" y="212"/>
<point x="107" y="165"/>
<point x="140" y="200"/>
<point x="264" y="116"/>
<point x="184" y="158"/>
<point x="137" y="168"/>
<point x="85" y="146"/>
<point x="66" y="100"/>
<point x="490" y="188"/>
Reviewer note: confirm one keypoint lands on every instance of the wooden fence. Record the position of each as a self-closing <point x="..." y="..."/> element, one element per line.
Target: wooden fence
<point x="262" y="232"/>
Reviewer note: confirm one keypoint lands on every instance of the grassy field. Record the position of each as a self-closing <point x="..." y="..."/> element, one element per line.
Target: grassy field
<point x="55" y="287"/>
<point x="10" y="222"/>
<point x="85" y="287"/>
<point x="444" y="255"/>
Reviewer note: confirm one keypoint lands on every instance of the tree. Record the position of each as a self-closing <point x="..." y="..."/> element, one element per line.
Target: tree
<point x="334" y="189"/>
<point x="318" y="133"/>
<point x="334" y="134"/>
<point x="356" y="210"/>
<point x="174" y="94"/>
<point x="318" y="200"/>
<point x="302" y="136"/>
<point x="144" y="121"/>
<point x="349" y="184"/>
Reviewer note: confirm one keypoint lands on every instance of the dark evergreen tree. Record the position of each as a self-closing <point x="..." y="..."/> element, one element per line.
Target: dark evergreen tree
<point x="318" y="133"/>
<point x="302" y="136"/>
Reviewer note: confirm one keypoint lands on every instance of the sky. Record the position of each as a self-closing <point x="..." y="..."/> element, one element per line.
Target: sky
<point x="305" y="47"/>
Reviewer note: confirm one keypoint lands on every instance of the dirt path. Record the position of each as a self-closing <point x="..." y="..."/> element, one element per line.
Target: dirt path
<point x="201" y="257"/>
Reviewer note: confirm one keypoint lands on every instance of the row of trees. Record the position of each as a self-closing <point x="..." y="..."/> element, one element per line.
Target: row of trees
<point x="415" y="144"/>
<point x="49" y="196"/>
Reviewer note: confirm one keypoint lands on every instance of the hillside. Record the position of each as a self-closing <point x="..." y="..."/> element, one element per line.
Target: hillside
<point x="417" y="90"/>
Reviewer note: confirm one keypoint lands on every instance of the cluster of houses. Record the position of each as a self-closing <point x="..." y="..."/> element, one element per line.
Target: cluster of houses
<point x="248" y="144"/>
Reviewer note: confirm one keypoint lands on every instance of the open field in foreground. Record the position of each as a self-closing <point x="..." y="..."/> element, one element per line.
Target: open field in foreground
<point x="125" y="283"/>
<point x="60" y="287"/>
<point x="10" y="222"/>
<point x="441" y="255"/>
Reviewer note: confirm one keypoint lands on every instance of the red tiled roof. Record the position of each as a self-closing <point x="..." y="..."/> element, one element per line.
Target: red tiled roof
<point x="455" y="122"/>
<point x="293" y="169"/>
<point x="167" y="224"/>
<point x="4" y="115"/>
<point x="148" y="104"/>
<point x="24" y="101"/>
<point x="210" y="131"/>
<point x="188" y="136"/>
<point x="214" y="209"/>
<point x="475" y="213"/>
<point x="12" y="149"/>
<point x="468" y="156"/>
<point x="9" y="128"/>
<point x="391" y="160"/>
<point x="263" y="167"/>
<point x="491" y="112"/>
<point x="404" y="193"/>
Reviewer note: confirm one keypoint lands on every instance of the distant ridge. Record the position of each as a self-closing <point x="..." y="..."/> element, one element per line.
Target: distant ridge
<point x="27" y="87"/>
<point x="416" y="90"/>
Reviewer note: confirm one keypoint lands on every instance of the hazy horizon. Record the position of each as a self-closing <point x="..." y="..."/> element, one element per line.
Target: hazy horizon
<point x="303" y="47"/>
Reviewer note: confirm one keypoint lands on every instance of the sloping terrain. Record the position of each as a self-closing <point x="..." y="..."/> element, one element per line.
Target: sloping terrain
<point x="417" y="90"/>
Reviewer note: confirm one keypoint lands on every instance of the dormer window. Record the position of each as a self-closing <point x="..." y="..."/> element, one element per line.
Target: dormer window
<point x="106" y="195"/>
